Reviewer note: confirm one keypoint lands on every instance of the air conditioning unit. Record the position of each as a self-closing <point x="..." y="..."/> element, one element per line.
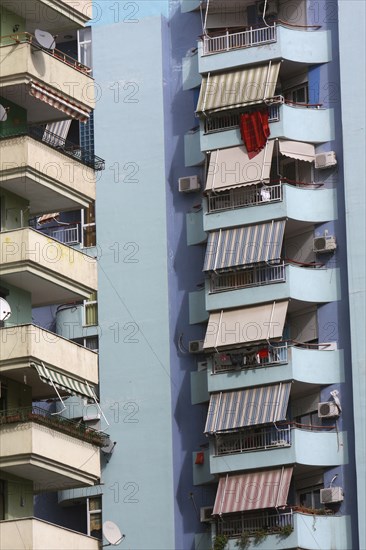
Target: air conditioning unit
<point x="324" y="244"/>
<point x="195" y="346"/>
<point x="325" y="160"/>
<point x="327" y="409"/>
<point x="201" y="365"/>
<point x="271" y="8"/>
<point x="188" y="184"/>
<point x="333" y="494"/>
<point x="206" y="513"/>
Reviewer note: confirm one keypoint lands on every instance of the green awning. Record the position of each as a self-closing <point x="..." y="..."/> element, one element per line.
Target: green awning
<point x="63" y="382"/>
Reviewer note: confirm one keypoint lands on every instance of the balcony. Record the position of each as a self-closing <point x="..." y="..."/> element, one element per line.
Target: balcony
<point x="265" y="284"/>
<point x="283" y="362"/>
<point x="53" y="452"/>
<point x="52" y="174"/>
<point x="225" y="209"/>
<point x="27" y="72"/>
<point x="287" y="530"/>
<point x="231" y="49"/>
<point x="190" y="75"/>
<point x="295" y="122"/>
<point x="20" y="345"/>
<point x="50" y="271"/>
<point x="189" y="5"/>
<point x="192" y="151"/>
<point x="195" y="232"/>
<point x="37" y="534"/>
<point x="197" y="309"/>
<point x="269" y="448"/>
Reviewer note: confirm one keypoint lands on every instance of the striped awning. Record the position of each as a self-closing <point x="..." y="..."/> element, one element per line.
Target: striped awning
<point x="242" y="246"/>
<point x="233" y="167"/>
<point x="56" y="133"/>
<point x="63" y="382"/>
<point x="58" y="102"/>
<point x="231" y="90"/>
<point x="232" y="327"/>
<point x="297" y="150"/>
<point x="253" y="491"/>
<point x="233" y="410"/>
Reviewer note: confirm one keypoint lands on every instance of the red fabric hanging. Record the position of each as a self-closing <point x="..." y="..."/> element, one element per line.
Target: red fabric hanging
<point x="254" y="130"/>
<point x="200" y="458"/>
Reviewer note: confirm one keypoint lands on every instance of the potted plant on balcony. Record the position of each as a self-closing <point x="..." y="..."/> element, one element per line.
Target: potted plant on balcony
<point x="220" y="541"/>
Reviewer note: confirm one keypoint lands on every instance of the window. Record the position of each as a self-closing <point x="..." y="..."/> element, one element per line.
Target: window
<point x="94" y="511"/>
<point x="309" y="420"/>
<point x="89" y="342"/>
<point x="298" y="94"/>
<point x="88" y="225"/>
<point x="91" y="311"/>
<point x="309" y="497"/>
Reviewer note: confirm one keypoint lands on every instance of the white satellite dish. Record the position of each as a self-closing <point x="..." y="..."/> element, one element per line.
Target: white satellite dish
<point x="3" y="114"/>
<point x="5" y="310"/>
<point x="112" y="533"/>
<point x="45" y="39"/>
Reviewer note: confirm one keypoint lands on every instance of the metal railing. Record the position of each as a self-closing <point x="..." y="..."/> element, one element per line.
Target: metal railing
<point x="232" y="40"/>
<point x="230" y="121"/>
<point x="248" y="523"/>
<point x="244" y="196"/>
<point x="58" y="143"/>
<point x="56" y="422"/>
<point x="266" y="438"/>
<point x="254" y="357"/>
<point x="65" y="235"/>
<point x="256" y="276"/>
<point x="27" y="38"/>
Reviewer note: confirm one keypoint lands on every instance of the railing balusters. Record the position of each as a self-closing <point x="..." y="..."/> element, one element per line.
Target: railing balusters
<point x="271" y="523"/>
<point x="230" y="40"/>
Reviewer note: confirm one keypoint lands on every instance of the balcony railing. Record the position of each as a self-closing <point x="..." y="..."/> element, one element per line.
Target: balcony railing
<point x="243" y="197"/>
<point x="27" y="38"/>
<point x="256" y="276"/>
<point x="251" y="36"/>
<point x="254" y="357"/>
<point x="230" y="121"/>
<point x="249" y="441"/>
<point x="55" y="422"/>
<point x="268" y="522"/>
<point x="58" y="143"/>
<point x="65" y="235"/>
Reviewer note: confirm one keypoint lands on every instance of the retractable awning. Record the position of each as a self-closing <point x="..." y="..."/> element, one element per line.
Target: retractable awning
<point x="234" y="89"/>
<point x="242" y="246"/>
<point x="63" y="382"/>
<point x="250" y="324"/>
<point x="233" y="167"/>
<point x="297" y="150"/>
<point x="233" y="410"/>
<point x="58" y="102"/>
<point x="253" y="491"/>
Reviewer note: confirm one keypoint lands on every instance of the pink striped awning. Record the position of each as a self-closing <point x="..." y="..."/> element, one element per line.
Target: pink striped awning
<point x="252" y="491"/>
<point x="58" y="102"/>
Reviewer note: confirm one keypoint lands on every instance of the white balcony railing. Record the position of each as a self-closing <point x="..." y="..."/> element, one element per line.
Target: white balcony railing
<point x="263" y="275"/>
<point x="248" y="441"/>
<point x="271" y="523"/>
<point x="233" y="40"/>
<point x="66" y="235"/>
<point x="263" y="356"/>
<point x="229" y="121"/>
<point x="244" y="196"/>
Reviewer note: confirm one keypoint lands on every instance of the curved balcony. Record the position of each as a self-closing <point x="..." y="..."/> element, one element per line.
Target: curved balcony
<point x="260" y="45"/>
<point x="307" y="531"/>
<point x="53" y="452"/>
<point x="275" y="283"/>
<point x="190" y="75"/>
<point x="296" y="203"/>
<point x="23" y="344"/>
<point x="189" y="5"/>
<point x="34" y="165"/>
<point x="309" y="366"/>
<point x="295" y="123"/>
<point x="193" y="155"/>
<point x="195" y="231"/>
<point x="294" y="446"/>
<point x="50" y="271"/>
<point x="70" y="323"/>
<point x="42" y="535"/>
<point x="23" y="62"/>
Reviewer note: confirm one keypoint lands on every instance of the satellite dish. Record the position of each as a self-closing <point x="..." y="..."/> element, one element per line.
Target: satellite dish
<point x="5" y="310"/>
<point x="45" y="39"/>
<point x="3" y="114"/>
<point x="112" y="533"/>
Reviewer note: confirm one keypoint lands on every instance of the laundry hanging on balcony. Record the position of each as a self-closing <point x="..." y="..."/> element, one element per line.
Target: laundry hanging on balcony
<point x="65" y="383"/>
<point x="235" y="89"/>
<point x="297" y="150"/>
<point x="243" y="246"/>
<point x="232" y="327"/>
<point x="233" y="410"/>
<point x="59" y="102"/>
<point x="253" y="491"/>
<point x="232" y="168"/>
<point x="254" y="130"/>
